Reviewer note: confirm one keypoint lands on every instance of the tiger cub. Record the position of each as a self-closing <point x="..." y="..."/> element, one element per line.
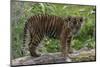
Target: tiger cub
<point x="39" y="26"/>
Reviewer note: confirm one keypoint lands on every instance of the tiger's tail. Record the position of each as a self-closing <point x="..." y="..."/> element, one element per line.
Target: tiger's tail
<point x="24" y="33"/>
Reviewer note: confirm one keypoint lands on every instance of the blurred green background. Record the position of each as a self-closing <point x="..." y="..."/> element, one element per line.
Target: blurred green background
<point x="20" y="11"/>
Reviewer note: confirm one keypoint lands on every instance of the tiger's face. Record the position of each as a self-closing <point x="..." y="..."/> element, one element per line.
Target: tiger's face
<point x="74" y="23"/>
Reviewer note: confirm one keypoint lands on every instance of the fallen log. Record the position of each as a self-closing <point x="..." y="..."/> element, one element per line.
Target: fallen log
<point x="76" y="56"/>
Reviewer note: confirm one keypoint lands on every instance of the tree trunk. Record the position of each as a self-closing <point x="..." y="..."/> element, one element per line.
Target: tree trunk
<point x="77" y="56"/>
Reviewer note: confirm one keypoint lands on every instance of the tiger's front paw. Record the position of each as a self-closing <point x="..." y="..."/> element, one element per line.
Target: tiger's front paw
<point x="68" y="59"/>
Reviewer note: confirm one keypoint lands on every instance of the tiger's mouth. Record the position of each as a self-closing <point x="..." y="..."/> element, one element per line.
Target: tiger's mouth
<point x="76" y="33"/>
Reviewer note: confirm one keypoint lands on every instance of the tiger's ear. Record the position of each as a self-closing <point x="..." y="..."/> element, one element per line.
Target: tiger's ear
<point x="81" y="19"/>
<point x="68" y="18"/>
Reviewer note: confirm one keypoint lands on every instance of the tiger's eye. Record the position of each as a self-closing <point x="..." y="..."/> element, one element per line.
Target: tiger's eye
<point x="74" y="21"/>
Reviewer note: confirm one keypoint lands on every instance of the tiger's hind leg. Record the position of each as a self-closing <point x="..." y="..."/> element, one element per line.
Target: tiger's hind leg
<point x="32" y="49"/>
<point x="34" y="44"/>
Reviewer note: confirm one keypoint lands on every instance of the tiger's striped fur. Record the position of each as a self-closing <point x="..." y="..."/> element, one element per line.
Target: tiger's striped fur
<point x="39" y="26"/>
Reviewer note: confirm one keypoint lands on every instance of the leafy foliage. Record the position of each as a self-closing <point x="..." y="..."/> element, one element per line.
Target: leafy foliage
<point x="84" y="38"/>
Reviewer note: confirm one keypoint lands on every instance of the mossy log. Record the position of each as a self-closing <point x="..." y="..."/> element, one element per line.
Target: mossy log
<point x="76" y="56"/>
